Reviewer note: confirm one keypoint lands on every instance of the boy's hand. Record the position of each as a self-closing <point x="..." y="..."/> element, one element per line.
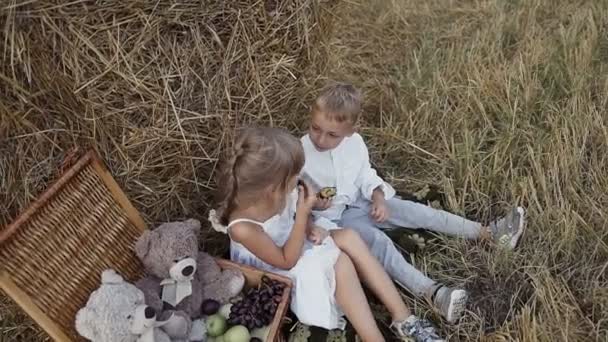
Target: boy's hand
<point x="322" y="203"/>
<point x="379" y="210"/>
<point x="317" y="234"/>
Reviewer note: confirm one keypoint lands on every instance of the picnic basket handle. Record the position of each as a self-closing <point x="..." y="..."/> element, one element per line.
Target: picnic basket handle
<point x="70" y="158"/>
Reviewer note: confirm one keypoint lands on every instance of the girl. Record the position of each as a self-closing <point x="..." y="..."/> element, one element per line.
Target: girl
<point x="267" y="220"/>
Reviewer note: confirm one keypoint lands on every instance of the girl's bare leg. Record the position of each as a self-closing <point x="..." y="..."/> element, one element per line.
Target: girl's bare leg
<point x="371" y="272"/>
<point x="352" y="301"/>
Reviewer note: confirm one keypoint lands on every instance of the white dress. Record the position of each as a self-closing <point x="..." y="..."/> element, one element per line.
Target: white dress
<point x="313" y="297"/>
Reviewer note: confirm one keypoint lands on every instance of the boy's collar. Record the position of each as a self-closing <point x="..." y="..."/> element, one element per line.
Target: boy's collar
<point x="347" y="137"/>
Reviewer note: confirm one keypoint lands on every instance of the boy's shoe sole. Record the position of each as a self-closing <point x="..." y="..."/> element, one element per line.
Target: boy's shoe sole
<point x="520" y="230"/>
<point x="458" y="302"/>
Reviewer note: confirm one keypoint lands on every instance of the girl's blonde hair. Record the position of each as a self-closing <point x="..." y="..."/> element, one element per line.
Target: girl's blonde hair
<point x="261" y="159"/>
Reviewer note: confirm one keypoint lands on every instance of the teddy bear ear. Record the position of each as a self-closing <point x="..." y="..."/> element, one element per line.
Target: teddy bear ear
<point x="86" y="325"/>
<point x="142" y="246"/>
<point x="110" y="276"/>
<point x="195" y="225"/>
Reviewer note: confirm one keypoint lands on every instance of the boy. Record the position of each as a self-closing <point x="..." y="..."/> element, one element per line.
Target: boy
<point x="337" y="161"/>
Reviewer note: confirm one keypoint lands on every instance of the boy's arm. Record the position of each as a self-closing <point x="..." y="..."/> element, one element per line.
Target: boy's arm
<point x="378" y="194"/>
<point x="370" y="184"/>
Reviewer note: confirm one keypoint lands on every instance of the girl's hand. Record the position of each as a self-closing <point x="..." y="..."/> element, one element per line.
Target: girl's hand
<point x="306" y="198"/>
<point x="317" y="234"/>
<point x="322" y="203"/>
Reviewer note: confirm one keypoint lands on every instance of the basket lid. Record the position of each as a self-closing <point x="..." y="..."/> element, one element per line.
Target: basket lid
<point x="54" y="253"/>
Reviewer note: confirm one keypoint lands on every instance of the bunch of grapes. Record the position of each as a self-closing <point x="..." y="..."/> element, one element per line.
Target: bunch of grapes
<point x="259" y="305"/>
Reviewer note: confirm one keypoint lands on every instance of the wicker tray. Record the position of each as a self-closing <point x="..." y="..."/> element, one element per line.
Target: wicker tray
<point x="54" y="252"/>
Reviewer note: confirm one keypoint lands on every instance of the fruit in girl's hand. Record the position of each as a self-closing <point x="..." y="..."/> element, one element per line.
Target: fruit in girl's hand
<point x="210" y="307"/>
<point x="225" y="310"/>
<point x="237" y="333"/>
<point x="328" y="192"/>
<point x="216" y="325"/>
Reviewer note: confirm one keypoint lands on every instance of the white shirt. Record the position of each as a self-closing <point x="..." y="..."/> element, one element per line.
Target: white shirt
<point x="349" y="166"/>
<point x="323" y="169"/>
<point x="324" y="177"/>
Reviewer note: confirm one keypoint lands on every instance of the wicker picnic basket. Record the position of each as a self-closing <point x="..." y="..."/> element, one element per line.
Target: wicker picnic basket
<point x="54" y="252"/>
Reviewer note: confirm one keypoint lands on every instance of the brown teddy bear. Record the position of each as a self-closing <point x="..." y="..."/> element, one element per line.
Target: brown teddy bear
<point x="180" y="277"/>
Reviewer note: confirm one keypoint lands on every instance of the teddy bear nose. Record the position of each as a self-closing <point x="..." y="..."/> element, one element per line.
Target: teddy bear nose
<point x="149" y="312"/>
<point x="188" y="270"/>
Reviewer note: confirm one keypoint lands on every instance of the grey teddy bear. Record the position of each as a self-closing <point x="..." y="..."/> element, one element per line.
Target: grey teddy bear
<point x="180" y="277"/>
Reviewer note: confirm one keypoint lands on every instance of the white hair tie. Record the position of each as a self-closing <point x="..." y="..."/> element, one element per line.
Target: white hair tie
<point x="215" y="222"/>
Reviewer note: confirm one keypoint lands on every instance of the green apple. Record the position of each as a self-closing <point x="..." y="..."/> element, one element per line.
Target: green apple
<point x="216" y="325"/>
<point x="225" y="310"/>
<point x="261" y="333"/>
<point x="237" y="334"/>
<point x="220" y="339"/>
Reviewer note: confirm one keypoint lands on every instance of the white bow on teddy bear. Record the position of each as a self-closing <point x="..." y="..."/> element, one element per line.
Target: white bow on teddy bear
<point x="179" y="285"/>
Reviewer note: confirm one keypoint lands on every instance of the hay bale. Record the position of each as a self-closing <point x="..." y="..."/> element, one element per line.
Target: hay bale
<point x="157" y="87"/>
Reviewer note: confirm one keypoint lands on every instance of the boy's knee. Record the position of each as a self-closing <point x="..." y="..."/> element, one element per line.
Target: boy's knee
<point x="382" y="243"/>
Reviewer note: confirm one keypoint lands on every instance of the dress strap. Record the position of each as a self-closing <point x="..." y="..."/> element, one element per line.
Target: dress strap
<point x="245" y="220"/>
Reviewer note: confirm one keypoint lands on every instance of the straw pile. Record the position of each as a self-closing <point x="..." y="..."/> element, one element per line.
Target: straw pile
<point x="156" y="86"/>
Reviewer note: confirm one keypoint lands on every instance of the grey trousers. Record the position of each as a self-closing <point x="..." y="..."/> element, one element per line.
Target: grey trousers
<point x="406" y="214"/>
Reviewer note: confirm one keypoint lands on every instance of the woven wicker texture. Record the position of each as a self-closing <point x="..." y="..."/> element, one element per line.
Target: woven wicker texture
<point x="57" y="255"/>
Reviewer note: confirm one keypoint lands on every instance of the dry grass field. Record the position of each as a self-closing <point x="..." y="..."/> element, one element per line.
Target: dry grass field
<point x="496" y="102"/>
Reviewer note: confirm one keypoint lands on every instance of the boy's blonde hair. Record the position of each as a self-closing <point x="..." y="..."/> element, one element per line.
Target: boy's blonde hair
<point x="261" y="158"/>
<point x="339" y="101"/>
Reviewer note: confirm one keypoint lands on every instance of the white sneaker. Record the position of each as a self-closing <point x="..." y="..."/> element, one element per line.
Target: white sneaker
<point x="451" y="302"/>
<point x="508" y="230"/>
<point x="414" y="328"/>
